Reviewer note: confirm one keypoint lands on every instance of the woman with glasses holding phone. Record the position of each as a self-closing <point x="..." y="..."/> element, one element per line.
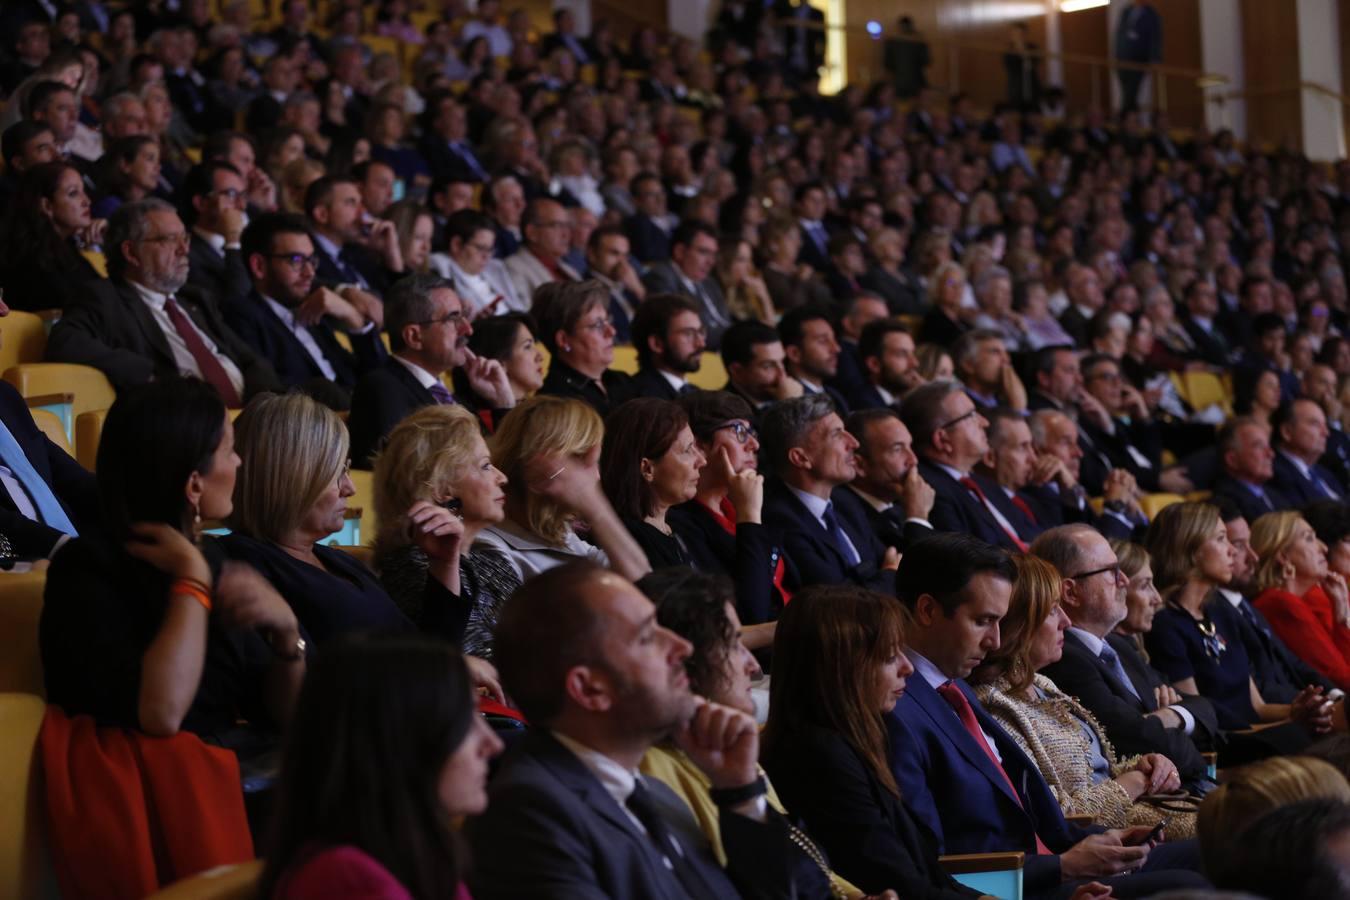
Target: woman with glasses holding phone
<point x="480" y="279"/>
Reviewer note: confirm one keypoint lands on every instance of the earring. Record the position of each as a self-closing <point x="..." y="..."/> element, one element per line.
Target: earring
<point x="566" y="348"/>
<point x="196" y="521"/>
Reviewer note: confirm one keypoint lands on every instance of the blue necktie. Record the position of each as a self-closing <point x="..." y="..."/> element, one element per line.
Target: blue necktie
<point x="1108" y="656"/>
<point x="48" y="507"/>
<point x="470" y="160"/>
<point x="841" y="541"/>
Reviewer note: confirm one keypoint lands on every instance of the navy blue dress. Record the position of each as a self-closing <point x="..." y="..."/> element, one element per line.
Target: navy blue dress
<point x="1220" y="665"/>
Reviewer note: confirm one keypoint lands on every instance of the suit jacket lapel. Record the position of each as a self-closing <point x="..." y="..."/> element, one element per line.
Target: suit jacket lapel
<point x="146" y="324"/>
<point x="817" y="529"/>
<point x="944" y="717"/>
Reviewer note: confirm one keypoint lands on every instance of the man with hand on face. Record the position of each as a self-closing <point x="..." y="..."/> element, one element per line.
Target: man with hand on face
<point x="886" y="350"/>
<point x="216" y="197"/>
<point x="894" y="496"/>
<point x="984" y="368"/>
<point x="753" y="356"/>
<point x="1053" y="492"/>
<point x="580" y="651"/>
<point x="1118" y="424"/>
<point x="349" y="256"/>
<point x="826" y="534"/>
<point x="961" y="773"/>
<point x="693" y="253"/>
<point x="607" y="262"/>
<point x="429" y="335"/>
<point x="293" y="323"/>
<point x="670" y="339"/>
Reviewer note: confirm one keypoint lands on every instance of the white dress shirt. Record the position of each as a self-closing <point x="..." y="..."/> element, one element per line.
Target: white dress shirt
<point x="424" y="378"/>
<point x="302" y="335"/>
<point x="182" y="357"/>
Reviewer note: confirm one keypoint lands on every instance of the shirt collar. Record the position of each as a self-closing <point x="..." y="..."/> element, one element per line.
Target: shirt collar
<point x="955" y="473"/>
<point x="424" y="378"/>
<point x="875" y="502"/>
<point x="925" y="669"/>
<point x="676" y="383"/>
<point x="154" y="298"/>
<point x="285" y="315"/>
<point x="617" y="781"/>
<point x="327" y="246"/>
<point x="216" y="241"/>
<point x="1303" y="468"/>
<point x="886" y="396"/>
<point x="1093" y="642"/>
<point x="815" y="505"/>
<point x="1233" y="597"/>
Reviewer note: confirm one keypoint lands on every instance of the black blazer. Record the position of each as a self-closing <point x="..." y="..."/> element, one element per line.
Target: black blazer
<point x="446" y="163"/>
<point x="253" y="321"/>
<point x="649" y="242"/>
<point x="956" y="509"/>
<point x="223" y="277"/>
<point x="813" y="558"/>
<point x="1279" y="673"/>
<point x="71" y="482"/>
<point x="812" y="253"/>
<point x="903" y="296"/>
<point x="890" y="526"/>
<point x="1252" y="506"/>
<point x="31" y="288"/>
<point x="749" y="557"/>
<point x="650" y="383"/>
<point x="868" y="833"/>
<point x="552" y="830"/>
<point x="1028" y="528"/>
<point x="1300" y="491"/>
<point x="360" y="260"/>
<point x="865" y="396"/>
<point x="110" y="328"/>
<point x="1210" y="346"/>
<point x="383" y="397"/>
<point x="565" y="381"/>
<point x="1125" y="717"/>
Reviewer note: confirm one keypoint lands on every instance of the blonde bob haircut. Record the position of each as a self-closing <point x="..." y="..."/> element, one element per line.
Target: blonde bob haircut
<point x="543" y="424"/>
<point x="1254" y="790"/>
<point x="1035" y="595"/>
<point x="292" y="448"/>
<point x="1173" y="540"/>
<point x="423" y="457"/>
<point x="1272" y="534"/>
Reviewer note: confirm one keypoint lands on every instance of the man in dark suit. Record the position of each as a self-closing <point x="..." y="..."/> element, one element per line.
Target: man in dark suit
<point x="294" y="324"/>
<point x="649" y="228"/>
<point x="693" y="253"/>
<point x="669" y="339"/>
<point x="1058" y="379"/>
<point x="960" y="772"/>
<point x="1055" y="494"/>
<point x="752" y="354"/>
<point x="1140" y="713"/>
<point x="565" y="35"/>
<point x="1138" y="40"/>
<point x="811" y="352"/>
<point x="45" y="496"/>
<point x="580" y="652"/>
<point x="1119" y="423"/>
<point x="1006" y="471"/>
<point x="1300" y="441"/>
<point x="144" y="323"/>
<point x="1083" y="287"/>
<point x="886" y="354"/>
<point x="858" y="311"/>
<point x="1202" y="305"/>
<point x="893" y="496"/>
<point x="1247" y="464"/>
<point x="810" y="205"/>
<point x="347" y="255"/>
<point x="504" y="203"/>
<point x="810" y="454"/>
<point x="216" y="199"/>
<point x="949" y="437"/>
<point x="429" y="334"/>
<point x="445" y="141"/>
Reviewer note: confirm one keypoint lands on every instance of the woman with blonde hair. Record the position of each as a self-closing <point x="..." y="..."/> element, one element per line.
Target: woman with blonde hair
<point x="291" y="494"/>
<point x="549" y="450"/>
<point x="789" y="283"/>
<point x="1196" y="642"/>
<point x="934" y="362"/>
<point x="437" y="455"/>
<point x="296" y="177"/>
<point x="945" y="321"/>
<point x="1305" y="603"/>
<point x="1252" y="791"/>
<point x="746" y="294"/>
<point x="1067" y="744"/>
<point x="415" y="227"/>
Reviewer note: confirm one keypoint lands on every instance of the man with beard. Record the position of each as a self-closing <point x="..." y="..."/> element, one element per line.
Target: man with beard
<point x="429" y="334"/>
<point x="753" y="355"/>
<point x="886" y="350"/>
<point x="292" y="322"/>
<point x="142" y="323"/>
<point x="888" y="486"/>
<point x="581" y="653"/>
<point x="811" y="352"/>
<point x="670" y="338"/>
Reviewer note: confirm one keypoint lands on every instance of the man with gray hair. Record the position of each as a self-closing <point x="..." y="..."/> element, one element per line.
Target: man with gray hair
<point x="143" y="322"/>
<point x="1141" y="714"/>
<point x="994" y="294"/>
<point x="809" y="454"/>
<point x="123" y="115"/>
<point x="429" y="335"/>
<point x="984" y="367"/>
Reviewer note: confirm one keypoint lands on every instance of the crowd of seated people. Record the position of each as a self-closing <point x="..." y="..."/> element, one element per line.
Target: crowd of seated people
<point x="1011" y="450"/>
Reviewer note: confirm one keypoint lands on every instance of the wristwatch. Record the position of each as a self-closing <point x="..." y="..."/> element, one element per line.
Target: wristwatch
<point x="738" y="795"/>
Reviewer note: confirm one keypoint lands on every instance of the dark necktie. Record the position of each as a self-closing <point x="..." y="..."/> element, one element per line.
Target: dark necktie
<point x="841" y="541"/>
<point x="1112" y="660"/>
<point x="973" y="486"/>
<point x="1246" y="611"/>
<point x="641" y="805"/>
<point x="442" y="394"/>
<point x="1320" y="485"/>
<point x="956" y="699"/>
<point x="213" y="373"/>
<point x="349" y="272"/>
<point x="466" y="155"/>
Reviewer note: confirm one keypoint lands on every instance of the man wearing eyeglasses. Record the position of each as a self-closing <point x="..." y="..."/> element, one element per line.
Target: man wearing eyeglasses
<point x="216" y="199"/>
<point x="670" y="338"/>
<point x="143" y="322"/>
<point x="1119" y="424"/>
<point x="1140" y="713"/>
<point x="294" y="322"/>
<point x="548" y="232"/>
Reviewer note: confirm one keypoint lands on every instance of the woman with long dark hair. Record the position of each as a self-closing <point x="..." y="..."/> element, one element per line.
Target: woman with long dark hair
<point x="46" y="225"/>
<point x="387" y="749"/>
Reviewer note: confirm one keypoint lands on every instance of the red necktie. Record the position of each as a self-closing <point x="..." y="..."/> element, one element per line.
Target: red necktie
<point x="213" y="373"/>
<point x="973" y="486"/>
<point x="956" y="699"/>
<point x="1022" y="505"/>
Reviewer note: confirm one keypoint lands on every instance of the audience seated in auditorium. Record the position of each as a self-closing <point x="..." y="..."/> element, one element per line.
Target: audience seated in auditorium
<point x="437" y="457"/>
<point x="1106" y="670"/>
<point x="128" y="635"/>
<point x="753" y="356"/>
<point x="386" y="751"/>
<point x="46" y="223"/>
<point x="564" y="810"/>
<point x="143" y="323"/>
<point x="957" y="768"/>
<point x="428" y="332"/>
<point x="826" y="533"/>
<point x="1060" y="736"/>
<point x="896" y="499"/>
<point x="669" y="338"/>
<point x="549" y="450"/>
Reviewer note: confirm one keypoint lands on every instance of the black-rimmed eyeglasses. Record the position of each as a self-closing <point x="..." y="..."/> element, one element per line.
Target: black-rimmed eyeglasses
<point x="959" y="419"/>
<point x="1114" y="569"/>
<point x="742" y="432"/>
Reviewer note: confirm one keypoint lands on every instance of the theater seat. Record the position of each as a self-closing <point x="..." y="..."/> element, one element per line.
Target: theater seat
<point x="994" y="874"/>
<point x="221" y="883"/>
<point x="88" y="430"/>
<point x="711" y="374"/>
<point x="625" y="359"/>
<point x="20" y="610"/>
<point x="53" y="427"/>
<point x="25" y="871"/>
<point x="1204" y="389"/>
<point x="1152" y="504"/>
<point x="88" y="387"/>
<point x="365" y="555"/>
<point x="22" y="339"/>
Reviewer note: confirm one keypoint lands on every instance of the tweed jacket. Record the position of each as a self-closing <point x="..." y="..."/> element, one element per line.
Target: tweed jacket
<point x="1047" y="731"/>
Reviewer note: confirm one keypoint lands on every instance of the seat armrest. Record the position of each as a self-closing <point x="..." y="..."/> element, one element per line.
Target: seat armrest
<point x="966" y="863"/>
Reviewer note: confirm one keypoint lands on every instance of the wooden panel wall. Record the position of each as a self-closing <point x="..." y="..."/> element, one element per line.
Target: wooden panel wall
<point x="1086" y="32"/>
<point x="1270" y="60"/>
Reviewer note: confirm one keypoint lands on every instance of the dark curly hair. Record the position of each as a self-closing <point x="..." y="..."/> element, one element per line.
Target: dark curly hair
<point x="694" y="606"/>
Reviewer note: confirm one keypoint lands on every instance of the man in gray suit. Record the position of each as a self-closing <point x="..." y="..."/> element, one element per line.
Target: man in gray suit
<point x="580" y="651"/>
<point x="693" y="252"/>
